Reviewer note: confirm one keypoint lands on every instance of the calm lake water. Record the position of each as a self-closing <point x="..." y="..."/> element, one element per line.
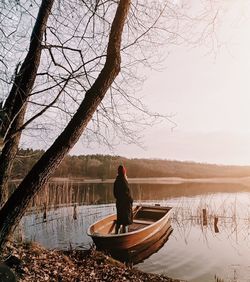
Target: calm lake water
<point x="195" y="251"/>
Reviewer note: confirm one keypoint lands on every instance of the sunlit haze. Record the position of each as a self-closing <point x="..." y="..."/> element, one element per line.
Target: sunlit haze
<point x="208" y="96"/>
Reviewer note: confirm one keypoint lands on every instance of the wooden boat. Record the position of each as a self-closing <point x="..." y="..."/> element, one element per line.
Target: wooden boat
<point x="150" y="223"/>
<point x="141" y="252"/>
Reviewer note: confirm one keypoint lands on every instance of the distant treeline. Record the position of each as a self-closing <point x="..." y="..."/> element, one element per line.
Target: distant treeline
<point x="105" y="166"/>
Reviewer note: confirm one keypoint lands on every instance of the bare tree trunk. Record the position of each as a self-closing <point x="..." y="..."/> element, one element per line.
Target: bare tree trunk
<point x="16" y="103"/>
<point x="15" y="207"/>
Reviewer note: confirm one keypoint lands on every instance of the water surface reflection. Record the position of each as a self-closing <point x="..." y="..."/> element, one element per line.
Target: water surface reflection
<point x="196" y="249"/>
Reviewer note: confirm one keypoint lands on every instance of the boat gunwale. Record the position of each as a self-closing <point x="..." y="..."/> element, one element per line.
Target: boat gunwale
<point x="99" y="235"/>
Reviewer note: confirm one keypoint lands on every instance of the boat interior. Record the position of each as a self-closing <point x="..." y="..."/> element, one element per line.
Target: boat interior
<point x="146" y="215"/>
<point x="142" y="217"/>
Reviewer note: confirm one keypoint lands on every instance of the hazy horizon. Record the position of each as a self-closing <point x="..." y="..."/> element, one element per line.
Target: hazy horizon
<point x="208" y="96"/>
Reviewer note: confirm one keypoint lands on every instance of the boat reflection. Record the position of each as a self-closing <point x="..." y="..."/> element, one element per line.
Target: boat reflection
<point x="141" y="252"/>
<point x="211" y="224"/>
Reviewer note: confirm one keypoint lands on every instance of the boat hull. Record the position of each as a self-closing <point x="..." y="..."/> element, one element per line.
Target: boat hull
<point x="149" y="233"/>
<point x="140" y="252"/>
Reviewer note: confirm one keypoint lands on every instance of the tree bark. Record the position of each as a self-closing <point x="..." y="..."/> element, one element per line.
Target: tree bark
<point x="15" y="207"/>
<point x="16" y="103"/>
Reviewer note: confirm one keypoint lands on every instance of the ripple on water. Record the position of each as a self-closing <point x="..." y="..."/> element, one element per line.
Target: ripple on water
<point x="193" y="252"/>
<point x="179" y="265"/>
<point x="186" y="259"/>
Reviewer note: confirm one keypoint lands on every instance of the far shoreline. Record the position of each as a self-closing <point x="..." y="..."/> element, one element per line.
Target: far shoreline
<point x="158" y="180"/>
<point x="152" y="180"/>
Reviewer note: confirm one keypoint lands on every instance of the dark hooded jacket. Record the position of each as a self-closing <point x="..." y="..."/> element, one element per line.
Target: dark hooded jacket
<point x="124" y="200"/>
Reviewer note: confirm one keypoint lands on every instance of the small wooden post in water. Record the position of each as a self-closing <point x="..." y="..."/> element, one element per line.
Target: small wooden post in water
<point x="216" y="229"/>
<point x="45" y="213"/>
<point x="204" y="217"/>
<point x="74" y="213"/>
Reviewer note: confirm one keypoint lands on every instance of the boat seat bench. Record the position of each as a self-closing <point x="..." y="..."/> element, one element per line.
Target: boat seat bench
<point x="147" y="222"/>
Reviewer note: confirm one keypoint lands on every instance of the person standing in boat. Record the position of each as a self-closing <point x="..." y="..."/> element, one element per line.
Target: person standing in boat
<point x="124" y="201"/>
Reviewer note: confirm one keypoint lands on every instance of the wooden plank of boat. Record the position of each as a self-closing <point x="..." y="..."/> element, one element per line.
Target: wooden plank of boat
<point x="149" y="224"/>
<point x="140" y="252"/>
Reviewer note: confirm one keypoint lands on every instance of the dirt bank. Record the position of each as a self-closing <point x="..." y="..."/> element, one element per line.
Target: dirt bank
<point x="31" y="262"/>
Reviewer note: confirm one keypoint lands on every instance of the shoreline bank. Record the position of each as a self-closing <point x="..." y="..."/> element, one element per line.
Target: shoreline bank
<point x="31" y="262"/>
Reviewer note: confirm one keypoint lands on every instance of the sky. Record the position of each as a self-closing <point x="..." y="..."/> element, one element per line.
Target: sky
<point x="208" y="96"/>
